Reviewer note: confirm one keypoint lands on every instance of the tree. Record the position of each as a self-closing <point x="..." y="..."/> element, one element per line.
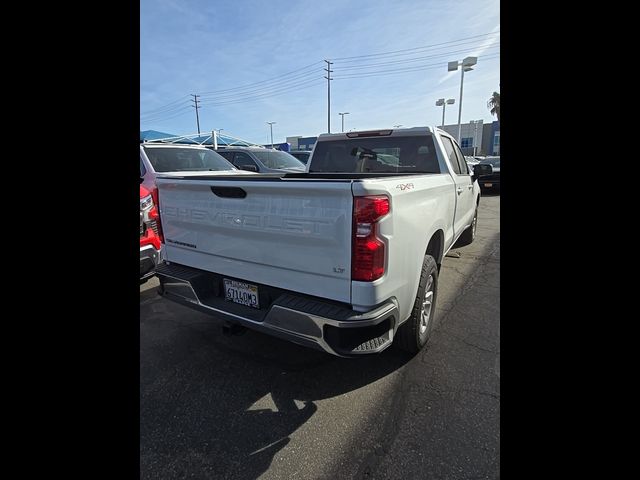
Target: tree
<point x="494" y="105"/>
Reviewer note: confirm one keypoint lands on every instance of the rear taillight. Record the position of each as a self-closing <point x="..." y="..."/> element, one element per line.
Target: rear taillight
<point x="154" y="195"/>
<point x="368" y="253"/>
<point x="155" y="212"/>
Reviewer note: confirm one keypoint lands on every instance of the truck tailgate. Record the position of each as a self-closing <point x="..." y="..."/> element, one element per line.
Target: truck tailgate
<point x="290" y="234"/>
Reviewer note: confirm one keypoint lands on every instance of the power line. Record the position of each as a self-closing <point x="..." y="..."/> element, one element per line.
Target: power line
<point x="159" y="120"/>
<point x="416" y="59"/>
<point x="262" y="81"/>
<point x="301" y="86"/>
<point x="405" y="70"/>
<point x="185" y="108"/>
<point x="417" y="48"/>
<point x="478" y="43"/>
<point x="303" y="78"/>
<point x="176" y="109"/>
<point x="292" y="82"/>
<point x="260" y="94"/>
<point x="157" y="109"/>
<point x="282" y="84"/>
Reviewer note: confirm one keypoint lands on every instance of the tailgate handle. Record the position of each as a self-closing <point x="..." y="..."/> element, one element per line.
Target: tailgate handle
<point x="229" y="192"/>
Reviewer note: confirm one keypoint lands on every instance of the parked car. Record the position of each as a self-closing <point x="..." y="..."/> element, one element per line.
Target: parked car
<point x="178" y="159"/>
<point x="149" y="239"/>
<point x="262" y="160"/>
<point x="344" y="258"/>
<point x="471" y="161"/>
<point x="492" y="180"/>
<point x="302" y="155"/>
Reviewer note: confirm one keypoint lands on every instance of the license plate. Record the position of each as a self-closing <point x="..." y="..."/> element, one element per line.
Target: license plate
<point x="488" y="185"/>
<point x="242" y="293"/>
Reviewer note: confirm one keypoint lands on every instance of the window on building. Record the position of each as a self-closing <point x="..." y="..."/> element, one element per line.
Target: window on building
<point x="467" y="142"/>
<point x="496" y="143"/>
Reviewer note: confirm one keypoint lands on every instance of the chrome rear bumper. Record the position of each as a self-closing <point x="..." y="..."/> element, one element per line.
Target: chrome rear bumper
<point x="304" y="320"/>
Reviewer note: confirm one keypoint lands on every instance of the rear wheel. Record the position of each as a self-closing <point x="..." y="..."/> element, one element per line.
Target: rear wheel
<point x="414" y="333"/>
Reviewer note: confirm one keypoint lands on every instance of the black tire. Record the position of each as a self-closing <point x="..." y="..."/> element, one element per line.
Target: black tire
<point x="469" y="235"/>
<point x="412" y="334"/>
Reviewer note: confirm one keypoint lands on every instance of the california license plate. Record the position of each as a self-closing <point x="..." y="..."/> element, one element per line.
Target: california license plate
<point x="488" y="185"/>
<point x="242" y="293"/>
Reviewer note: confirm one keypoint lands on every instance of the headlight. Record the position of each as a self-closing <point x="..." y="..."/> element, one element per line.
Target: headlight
<point x="146" y="203"/>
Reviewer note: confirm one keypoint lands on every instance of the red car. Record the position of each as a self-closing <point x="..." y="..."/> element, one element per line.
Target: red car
<point x="150" y="241"/>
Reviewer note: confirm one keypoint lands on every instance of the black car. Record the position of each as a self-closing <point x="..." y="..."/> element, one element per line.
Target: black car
<point x="491" y="181"/>
<point x="262" y="160"/>
<point x="302" y="155"/>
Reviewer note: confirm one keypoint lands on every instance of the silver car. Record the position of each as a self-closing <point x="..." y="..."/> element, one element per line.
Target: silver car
<point x="180" y="160"/>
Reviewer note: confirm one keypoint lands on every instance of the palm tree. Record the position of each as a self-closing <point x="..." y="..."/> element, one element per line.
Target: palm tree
<point x="494" y="105"/>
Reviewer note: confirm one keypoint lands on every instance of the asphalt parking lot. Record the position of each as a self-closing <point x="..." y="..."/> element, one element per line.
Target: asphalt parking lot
<point x="249" y="406"/>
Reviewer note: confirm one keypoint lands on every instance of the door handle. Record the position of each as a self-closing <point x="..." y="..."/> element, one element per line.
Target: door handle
<point x="470" y="187"/>
<point x="459" y="190"/>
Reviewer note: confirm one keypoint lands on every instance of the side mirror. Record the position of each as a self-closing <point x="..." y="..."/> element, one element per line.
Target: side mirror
<point x="481" y="169"/>
<point x="248" y="168"/>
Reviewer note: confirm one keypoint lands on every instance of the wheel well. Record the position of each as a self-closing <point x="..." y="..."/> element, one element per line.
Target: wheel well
<point x="436" y="246"/>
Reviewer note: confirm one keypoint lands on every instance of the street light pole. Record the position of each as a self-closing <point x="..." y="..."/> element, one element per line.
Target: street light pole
<point x="460" y="107"/>
<point x="441" y="102"/>
<point x="342" y="114"/>
<point x="271" y="128"/>
<point x="467" y="65"/>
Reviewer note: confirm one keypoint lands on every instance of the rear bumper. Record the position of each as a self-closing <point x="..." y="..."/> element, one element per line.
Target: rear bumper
<point x="148" y="261"/>
<point x="301" y="319"/>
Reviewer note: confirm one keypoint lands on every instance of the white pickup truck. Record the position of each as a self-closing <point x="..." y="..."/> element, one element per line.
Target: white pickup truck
<point x="344" y="257"/>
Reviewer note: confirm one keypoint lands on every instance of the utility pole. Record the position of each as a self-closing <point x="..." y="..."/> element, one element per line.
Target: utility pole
<point x="196" y="107"/>
<point x="328" y="77"/>
<point x="271" y="127"/>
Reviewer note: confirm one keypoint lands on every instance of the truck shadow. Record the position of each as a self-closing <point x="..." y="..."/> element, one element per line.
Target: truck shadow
<point x="214" y="406"/>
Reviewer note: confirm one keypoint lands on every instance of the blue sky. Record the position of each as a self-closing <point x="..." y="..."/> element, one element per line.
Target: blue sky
<point x="217" y="48"/>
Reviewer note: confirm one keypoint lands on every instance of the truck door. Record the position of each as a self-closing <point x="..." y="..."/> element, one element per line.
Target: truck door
<point x="463" y="186"/>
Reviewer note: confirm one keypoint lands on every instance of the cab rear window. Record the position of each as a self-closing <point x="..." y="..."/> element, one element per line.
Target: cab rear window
<point x="376" y="155"/>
